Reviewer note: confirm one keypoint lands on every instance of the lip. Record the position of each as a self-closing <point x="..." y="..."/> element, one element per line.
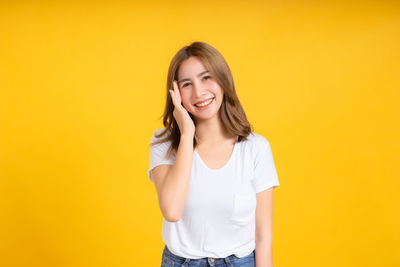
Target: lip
<point x="207" y="106"/>
<point x="203" y="100"/>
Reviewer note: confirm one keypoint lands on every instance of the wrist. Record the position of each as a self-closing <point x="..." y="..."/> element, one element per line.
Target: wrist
<point x="187" y="137"/>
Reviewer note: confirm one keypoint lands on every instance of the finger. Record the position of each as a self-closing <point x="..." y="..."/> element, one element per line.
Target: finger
<point x="172" y="93"/>
<point x="177" y="92"/>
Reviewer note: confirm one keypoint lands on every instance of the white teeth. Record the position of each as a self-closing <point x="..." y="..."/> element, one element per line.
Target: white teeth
<point x="205" y="103"/>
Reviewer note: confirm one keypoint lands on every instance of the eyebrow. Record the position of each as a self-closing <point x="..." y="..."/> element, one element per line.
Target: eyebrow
<point x="187" y="79"/>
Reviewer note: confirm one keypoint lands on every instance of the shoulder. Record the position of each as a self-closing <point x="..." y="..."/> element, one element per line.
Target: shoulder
<point x="257" y="141"/>
<point x="254" y="147"/>
<point x="158" y="131"/>
<point x="160" y="144"/>
<point x="156" y="135"/>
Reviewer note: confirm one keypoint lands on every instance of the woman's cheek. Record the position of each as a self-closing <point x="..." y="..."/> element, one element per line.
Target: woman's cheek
<point x="185" y="99"/>
<point x="185" y="104"/>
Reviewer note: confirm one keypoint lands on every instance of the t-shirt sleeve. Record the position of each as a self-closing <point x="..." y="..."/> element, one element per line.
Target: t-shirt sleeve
<point x="158" y="153"/>
<point x="265" y="175"/>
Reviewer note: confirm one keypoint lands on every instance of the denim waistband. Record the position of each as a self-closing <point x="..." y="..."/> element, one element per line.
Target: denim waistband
<point x="211" y="261"/>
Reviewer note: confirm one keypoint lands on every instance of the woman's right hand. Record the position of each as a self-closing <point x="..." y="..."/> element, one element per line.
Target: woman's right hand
<point x="181" y="115"/>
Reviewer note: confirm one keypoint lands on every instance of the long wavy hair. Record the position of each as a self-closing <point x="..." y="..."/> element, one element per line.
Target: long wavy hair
<point x="231" y="113"/>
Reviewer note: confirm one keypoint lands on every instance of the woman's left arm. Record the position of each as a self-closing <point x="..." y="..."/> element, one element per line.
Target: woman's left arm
<point x="263" y="251"/>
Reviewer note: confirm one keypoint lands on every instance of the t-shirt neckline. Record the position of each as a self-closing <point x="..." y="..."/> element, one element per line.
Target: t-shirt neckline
<point x="226" y="164"/>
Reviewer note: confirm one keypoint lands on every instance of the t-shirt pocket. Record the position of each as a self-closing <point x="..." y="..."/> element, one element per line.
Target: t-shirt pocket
<point x="244" y="208"/>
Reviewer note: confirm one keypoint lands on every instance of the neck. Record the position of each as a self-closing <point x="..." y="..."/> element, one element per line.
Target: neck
<point x="210" y="132"/>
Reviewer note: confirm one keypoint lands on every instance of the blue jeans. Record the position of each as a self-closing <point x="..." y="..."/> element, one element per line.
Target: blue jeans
<point x="171" y="260"/>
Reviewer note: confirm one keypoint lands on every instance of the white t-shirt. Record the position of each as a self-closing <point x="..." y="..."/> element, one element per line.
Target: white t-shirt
<point x="219" y="215"/>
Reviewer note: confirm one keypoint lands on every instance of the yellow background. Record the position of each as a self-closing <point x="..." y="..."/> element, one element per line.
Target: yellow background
<point x="83" y="85"/>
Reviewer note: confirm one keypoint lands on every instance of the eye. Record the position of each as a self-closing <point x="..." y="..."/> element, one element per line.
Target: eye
<point x="185" y="84"/>
<point x="208" y="77"/>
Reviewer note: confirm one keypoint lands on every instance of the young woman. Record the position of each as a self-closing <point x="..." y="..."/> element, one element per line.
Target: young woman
<point x="214" y="176"/>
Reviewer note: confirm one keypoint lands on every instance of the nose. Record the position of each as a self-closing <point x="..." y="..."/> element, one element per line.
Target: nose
<point x="199" y="89"/>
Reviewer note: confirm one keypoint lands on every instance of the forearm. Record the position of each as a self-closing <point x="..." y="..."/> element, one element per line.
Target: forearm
<point x="263" y="254"/>
<point x="176" y="186"/>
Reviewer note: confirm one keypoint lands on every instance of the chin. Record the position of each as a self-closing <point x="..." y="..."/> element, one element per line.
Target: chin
<point x="205" y="116"/>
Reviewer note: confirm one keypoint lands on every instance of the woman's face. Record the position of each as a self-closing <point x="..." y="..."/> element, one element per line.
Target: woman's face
<point x="197" y="86"/>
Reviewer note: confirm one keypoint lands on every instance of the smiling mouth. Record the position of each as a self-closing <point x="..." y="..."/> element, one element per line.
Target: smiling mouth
<point x="205" y="103"/>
